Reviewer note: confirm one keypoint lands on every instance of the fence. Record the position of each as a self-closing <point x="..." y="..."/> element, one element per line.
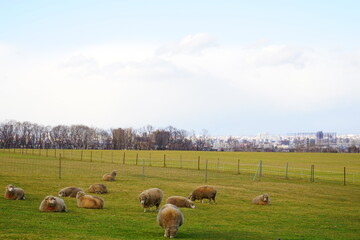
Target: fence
<point x="65" y="163"/>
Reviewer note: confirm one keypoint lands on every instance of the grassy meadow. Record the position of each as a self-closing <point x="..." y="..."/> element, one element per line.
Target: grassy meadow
<point x="324" y="209"/>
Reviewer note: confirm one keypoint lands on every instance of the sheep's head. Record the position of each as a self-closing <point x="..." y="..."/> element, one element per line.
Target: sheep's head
<point x="143" y="198"/>
<point x="192" y="197"/>
<point x="266" y="197"/>
<point x="80" y="194"/>
<point x="50" y="200"/>
<point x="190" y="204"/>
<point x="10" y="188"/>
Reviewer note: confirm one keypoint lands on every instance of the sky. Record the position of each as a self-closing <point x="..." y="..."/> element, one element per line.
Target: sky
<point x="231" y="67"/>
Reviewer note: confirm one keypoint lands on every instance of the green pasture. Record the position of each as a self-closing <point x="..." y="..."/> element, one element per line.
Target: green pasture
<point x="324" y="209"/>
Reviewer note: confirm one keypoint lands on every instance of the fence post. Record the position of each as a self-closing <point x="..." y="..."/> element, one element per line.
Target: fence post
<point x="124" y="158"/>
<point x="238" y="166"/>
<point x="150" y="160"/>
<point x="81" y="155"/>
<point x="287" y="169"/>
<point x="181" y="161"/>
<point x="90" y="156"/>
<point x="60" y="166"/>
<point x="198" y="162"/>
<point x="143" y="170"/>
<point x="312" y="175"/>
<point x="206" y="171"/>
<point x="164" y="160"/>
<point x="344" y="176"/>
<point x="137" y="157"/>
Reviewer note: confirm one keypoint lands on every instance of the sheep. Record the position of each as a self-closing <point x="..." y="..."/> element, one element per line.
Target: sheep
<point x="151" y="197"/>
<point x="69" y="192"/>
<point x="14" y="193"/>
<point x="89" y="201"/>
<point x="180" y="201"/>
<point x="97" y="188"/>
<point x="170" y="218"/>
<point x="203" y="192"/>
<point x="109" y="176"/>
<point x="52" y="204"/>
<point x="263" y="199"/>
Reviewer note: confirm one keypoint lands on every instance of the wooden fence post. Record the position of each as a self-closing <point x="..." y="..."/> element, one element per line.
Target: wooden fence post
<point x="206" y="171"/>
<point x="124" y="158"/>
<point x="90" y="156"/>
<point x="198" y="162"/>
<point x="137" y="156"/>
<point x="60" y="166"/>
<point x="344" y="176"/>
<point x="164" y="160"/>
<point x="238" y="166"/>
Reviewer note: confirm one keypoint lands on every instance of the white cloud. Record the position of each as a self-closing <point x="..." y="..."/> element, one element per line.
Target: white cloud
<point x="190" y="85"/>
<point x="191" y="44"/>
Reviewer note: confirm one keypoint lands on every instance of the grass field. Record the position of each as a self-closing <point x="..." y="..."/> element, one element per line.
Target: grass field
<point x="300" y="209"/>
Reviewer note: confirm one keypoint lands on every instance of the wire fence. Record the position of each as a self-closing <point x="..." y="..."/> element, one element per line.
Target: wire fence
<point x="55" y="163"/>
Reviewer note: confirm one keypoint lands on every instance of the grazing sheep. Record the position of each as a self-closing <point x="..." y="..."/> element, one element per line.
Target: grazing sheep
<point x="52" y="204"/>
<point x="14" y="193"/>
<point x="109" y="176"/>
<point x="151" y="197"/>
<point x="89" y="201"/>
<point x="69" y="192"/>
<point x="97" y="188"/>
<point x="180" y="201"/>
<point x="263" y="199"/>
<point x="203" y="192"/>
<point x="170" y="218"/>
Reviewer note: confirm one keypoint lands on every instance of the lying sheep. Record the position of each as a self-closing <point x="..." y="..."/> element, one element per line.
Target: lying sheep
<point x="151" y="197"/>
<point x="89" y="201"/>
<point x="14" y="193"/>
<point x="263" y="199"/>
<point x="180" y="201"/>
<point x="52" y="204"/>
<point x="170" y="218"/>
<point x="202" y="192"/>
<point x="110" y="176"/>
<point x="97" y="188"/>
<point x="69" y="192"/>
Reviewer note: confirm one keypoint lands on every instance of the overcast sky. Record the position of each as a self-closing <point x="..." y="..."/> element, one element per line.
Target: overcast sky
<point x="231" y="67"/>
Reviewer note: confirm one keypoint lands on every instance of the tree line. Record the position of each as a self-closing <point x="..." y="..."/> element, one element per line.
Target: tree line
<point x="14" y="134"/>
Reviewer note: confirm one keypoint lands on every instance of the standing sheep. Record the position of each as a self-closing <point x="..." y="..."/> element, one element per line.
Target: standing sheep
<point x="110" y="176"/>
<point x="69" y="192"/>
<point x="202" y="192"/>
<point x="97" y="188"/>
<point x="151" y="197"/>
<point x="263" y="199"/>
<point x="14" y="193"/>
<point x="180" y="201"/>
<point x="89" y="201"/>
<point x="170" y="218"/>
<point x="52" y="204"/>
